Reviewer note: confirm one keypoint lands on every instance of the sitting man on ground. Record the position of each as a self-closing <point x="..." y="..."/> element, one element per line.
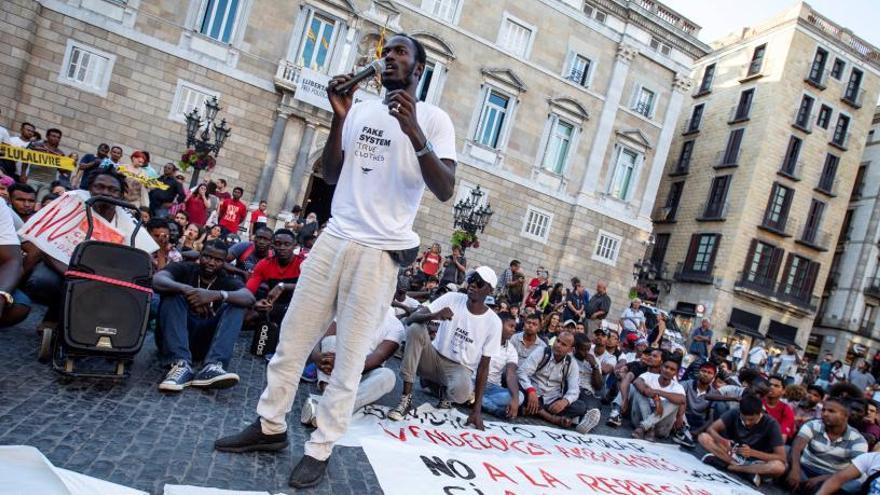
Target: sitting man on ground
<point x="201" y="312"/>
<point x="552" y="384"/>
<point x="778" y="409"/>
<point x="810" y="407"/>
<point x="745" y="441"/>
<point x="468" y="337"/>
<point x="497" y="400"/>
<point x="376" y="380"/>
<point x="274" y="279"/>
<point x="649" y="362"/>
<point x="590" y="378"/>
<point x="655" y="401"/>
<point x="824" y="447"/>
<point x="697" y="414"/>
<point x="864" y="467"/>
<point x="528" y="340"/>
<point x="167" y="253"/>
<point x="247" y="254"/>
<point x="11" y="311"/>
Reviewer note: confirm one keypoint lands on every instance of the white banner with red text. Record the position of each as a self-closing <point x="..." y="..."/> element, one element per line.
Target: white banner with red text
<point x="436" y="452"/>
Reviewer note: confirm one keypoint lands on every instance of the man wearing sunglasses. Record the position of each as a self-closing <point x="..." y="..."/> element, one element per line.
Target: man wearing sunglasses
<point x="468" y="336"/>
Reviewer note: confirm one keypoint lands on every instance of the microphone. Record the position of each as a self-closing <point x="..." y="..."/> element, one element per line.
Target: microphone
<point x="375" y="67"/>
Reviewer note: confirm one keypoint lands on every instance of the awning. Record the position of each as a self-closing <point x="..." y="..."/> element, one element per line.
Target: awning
<point x="781" y="333"/>
<point x="685" y="309"/>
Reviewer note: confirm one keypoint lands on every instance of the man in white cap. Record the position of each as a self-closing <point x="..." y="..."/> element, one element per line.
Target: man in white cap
<point x="468" y="337"/>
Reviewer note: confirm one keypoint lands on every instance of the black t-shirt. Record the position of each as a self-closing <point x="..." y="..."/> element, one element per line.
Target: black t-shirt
<point x="764" y="436"/>
<point x="187" y="272"/>
<point x="577" y="301"/>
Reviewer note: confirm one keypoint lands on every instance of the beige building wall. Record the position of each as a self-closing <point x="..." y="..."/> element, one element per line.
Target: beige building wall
<point x="157" y="56"/>
<point x="791" y="39"/>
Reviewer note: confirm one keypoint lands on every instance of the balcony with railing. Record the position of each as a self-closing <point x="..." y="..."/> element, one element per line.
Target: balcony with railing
<point x="840" y="140"/>
<point x="853" y="97"/>
<point x="783" y="226"/>
<point x="872" y="287"/>
<point x="797" y="296"/>
<point x="738" y="113"/>
<point x="725" y="159"/>
<point x="865" y="50"/>
<point x="803" y="121"/>
<point x="686" y="273"/>
<point x="713" y="211"/>
<point x="669" y="16"/>
<point x="644" y="109"/>
<point x="760" y="282"/>
<point x="820" y="240"/>
<point x="287" y="75"/>
<point x="817" y="76"/>
<point x="791" y="169"/>
<point x="829" y="187"/>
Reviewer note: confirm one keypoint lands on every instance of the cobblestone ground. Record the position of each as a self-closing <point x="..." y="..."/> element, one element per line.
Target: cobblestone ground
<point x="129" y="433"/>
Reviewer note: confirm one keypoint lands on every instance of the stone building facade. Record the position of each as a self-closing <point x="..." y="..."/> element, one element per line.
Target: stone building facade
<point x="757" y="181"/>
<point x="847" y="324"/>
<point x="564" y="110"/>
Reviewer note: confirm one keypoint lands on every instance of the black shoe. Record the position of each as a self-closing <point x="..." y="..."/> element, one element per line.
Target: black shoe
<point x="252" y="439"/>
<point x="307" y="473"/>
<point x="683" y="437"/>
<point x="714" y="461"/>
<point x="214" y="376"/>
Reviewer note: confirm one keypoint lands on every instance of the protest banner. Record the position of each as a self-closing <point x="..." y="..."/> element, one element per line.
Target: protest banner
<point x="145" y="181"/>
<point x="436" y="451"/>
<point x="33" y="157"/>
<point x="59" y="227"/>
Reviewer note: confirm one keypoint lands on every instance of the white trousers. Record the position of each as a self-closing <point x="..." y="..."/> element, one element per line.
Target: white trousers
<point x="375" y="383"/>
<point x="355" y="283"/>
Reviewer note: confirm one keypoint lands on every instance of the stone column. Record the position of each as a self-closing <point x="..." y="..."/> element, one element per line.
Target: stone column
<point x="681" y="85"/>
<point x="300" y="167"/>
<point x="271" y="163"/>
<point x="605" y="127"/>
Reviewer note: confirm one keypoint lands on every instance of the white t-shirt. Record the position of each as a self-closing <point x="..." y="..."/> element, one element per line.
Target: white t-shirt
<point x="787" y="364"/>
<point x="757" y="355"/>
<point x="8" y="235"/>
<point x="4" y="135"/>
<point x="506" y="355"/>
<point x="653" y="380"/>
<point x="381" y="185"/>
<point x="390" y="329"/>
<point x="605" y="358"/>
<point x="466" y="337"/>
<point x="868" y="464"/>
<point x="632" y="319"/>
<point x="737" y="351"/>
<point x="585" y="372"/>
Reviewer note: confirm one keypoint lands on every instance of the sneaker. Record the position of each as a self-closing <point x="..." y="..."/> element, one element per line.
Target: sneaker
<point x="179" y="377"/>
<point x="714" y="461"/>
<point x="684" y="438"/>
<point x="444" y="404"/>
<point x="214" y="376"/>
<point x="399" y="412"/>
<point x="252" y="439"/>
<point x="590" y="421"/>
<point x="307" y="473"/>
<point x="308" y="415"/>
<point x="310" y="373"/>
<point x="614" y="419"/>
<point x="756" y="480"/>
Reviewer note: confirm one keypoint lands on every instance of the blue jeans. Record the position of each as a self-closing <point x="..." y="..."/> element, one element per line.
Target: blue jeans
<point x="495" y="400"/>
<point x="185" y="334"/>
<point x="851" y="486"/>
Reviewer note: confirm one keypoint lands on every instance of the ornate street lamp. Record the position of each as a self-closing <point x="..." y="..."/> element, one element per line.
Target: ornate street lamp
<point x="200" y="145"/>
<point x="470" y="217"/>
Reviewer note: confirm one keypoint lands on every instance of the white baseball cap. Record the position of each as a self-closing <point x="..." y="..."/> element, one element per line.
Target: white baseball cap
<point x="488" y="275"/>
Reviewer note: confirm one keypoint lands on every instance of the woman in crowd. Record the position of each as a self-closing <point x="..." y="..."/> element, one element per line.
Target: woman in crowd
<point x="556" y="300"/>
<point x="552" y="326"/>
<point x="182" y="220"/>
<point x="198" y="205"/>
<point x="193" y="238"/>
<point x="213" y="233"/>
<point x="137" y="172"/>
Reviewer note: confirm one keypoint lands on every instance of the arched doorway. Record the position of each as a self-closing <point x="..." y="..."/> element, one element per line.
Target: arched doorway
<point x="319" y="194"/>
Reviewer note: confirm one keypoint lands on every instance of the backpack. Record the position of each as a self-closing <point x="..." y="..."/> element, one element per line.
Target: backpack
<point x="548" y="353"/>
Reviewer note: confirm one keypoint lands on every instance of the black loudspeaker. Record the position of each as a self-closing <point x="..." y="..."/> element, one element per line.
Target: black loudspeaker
<point x="105" y="318"/>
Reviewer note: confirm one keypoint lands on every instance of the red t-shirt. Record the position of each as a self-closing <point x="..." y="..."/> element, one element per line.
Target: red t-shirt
<point x="268" y="271"/>
<point x="784" y="415"/>
<point x="257" y="214"/>
<point x="231" y="214"/>
<point x="431" y="263"/>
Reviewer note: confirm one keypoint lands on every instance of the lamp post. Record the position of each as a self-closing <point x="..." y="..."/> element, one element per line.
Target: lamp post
<point x="201" y="141"/>
<point x="470" y="217"/>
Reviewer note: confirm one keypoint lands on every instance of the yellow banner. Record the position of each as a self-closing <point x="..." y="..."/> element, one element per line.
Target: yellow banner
<point x="43" y="159"/>
<point x="145" y="181"/>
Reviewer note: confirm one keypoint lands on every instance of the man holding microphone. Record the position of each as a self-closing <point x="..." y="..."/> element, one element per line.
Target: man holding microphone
<point x="380" y="155"/>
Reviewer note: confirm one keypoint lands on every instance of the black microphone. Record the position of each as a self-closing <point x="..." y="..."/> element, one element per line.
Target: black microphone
<point x="375" y="67"/>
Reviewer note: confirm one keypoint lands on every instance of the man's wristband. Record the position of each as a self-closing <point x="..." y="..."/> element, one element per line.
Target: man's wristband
<point x="530" y="390"/>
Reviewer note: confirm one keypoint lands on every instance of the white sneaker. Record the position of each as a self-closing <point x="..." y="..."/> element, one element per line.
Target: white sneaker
<point x="591" y="419"/>
<point x="308" y="415"/>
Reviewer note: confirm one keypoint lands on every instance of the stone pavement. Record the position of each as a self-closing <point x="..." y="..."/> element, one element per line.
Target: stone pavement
<point x="131" y="434"/>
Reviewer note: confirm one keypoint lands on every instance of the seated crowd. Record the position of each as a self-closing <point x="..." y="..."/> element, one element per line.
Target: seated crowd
<point x="469" y="337"/>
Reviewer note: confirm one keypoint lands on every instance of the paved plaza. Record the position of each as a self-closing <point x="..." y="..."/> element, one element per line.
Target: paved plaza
<point x="131" y="434"/>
